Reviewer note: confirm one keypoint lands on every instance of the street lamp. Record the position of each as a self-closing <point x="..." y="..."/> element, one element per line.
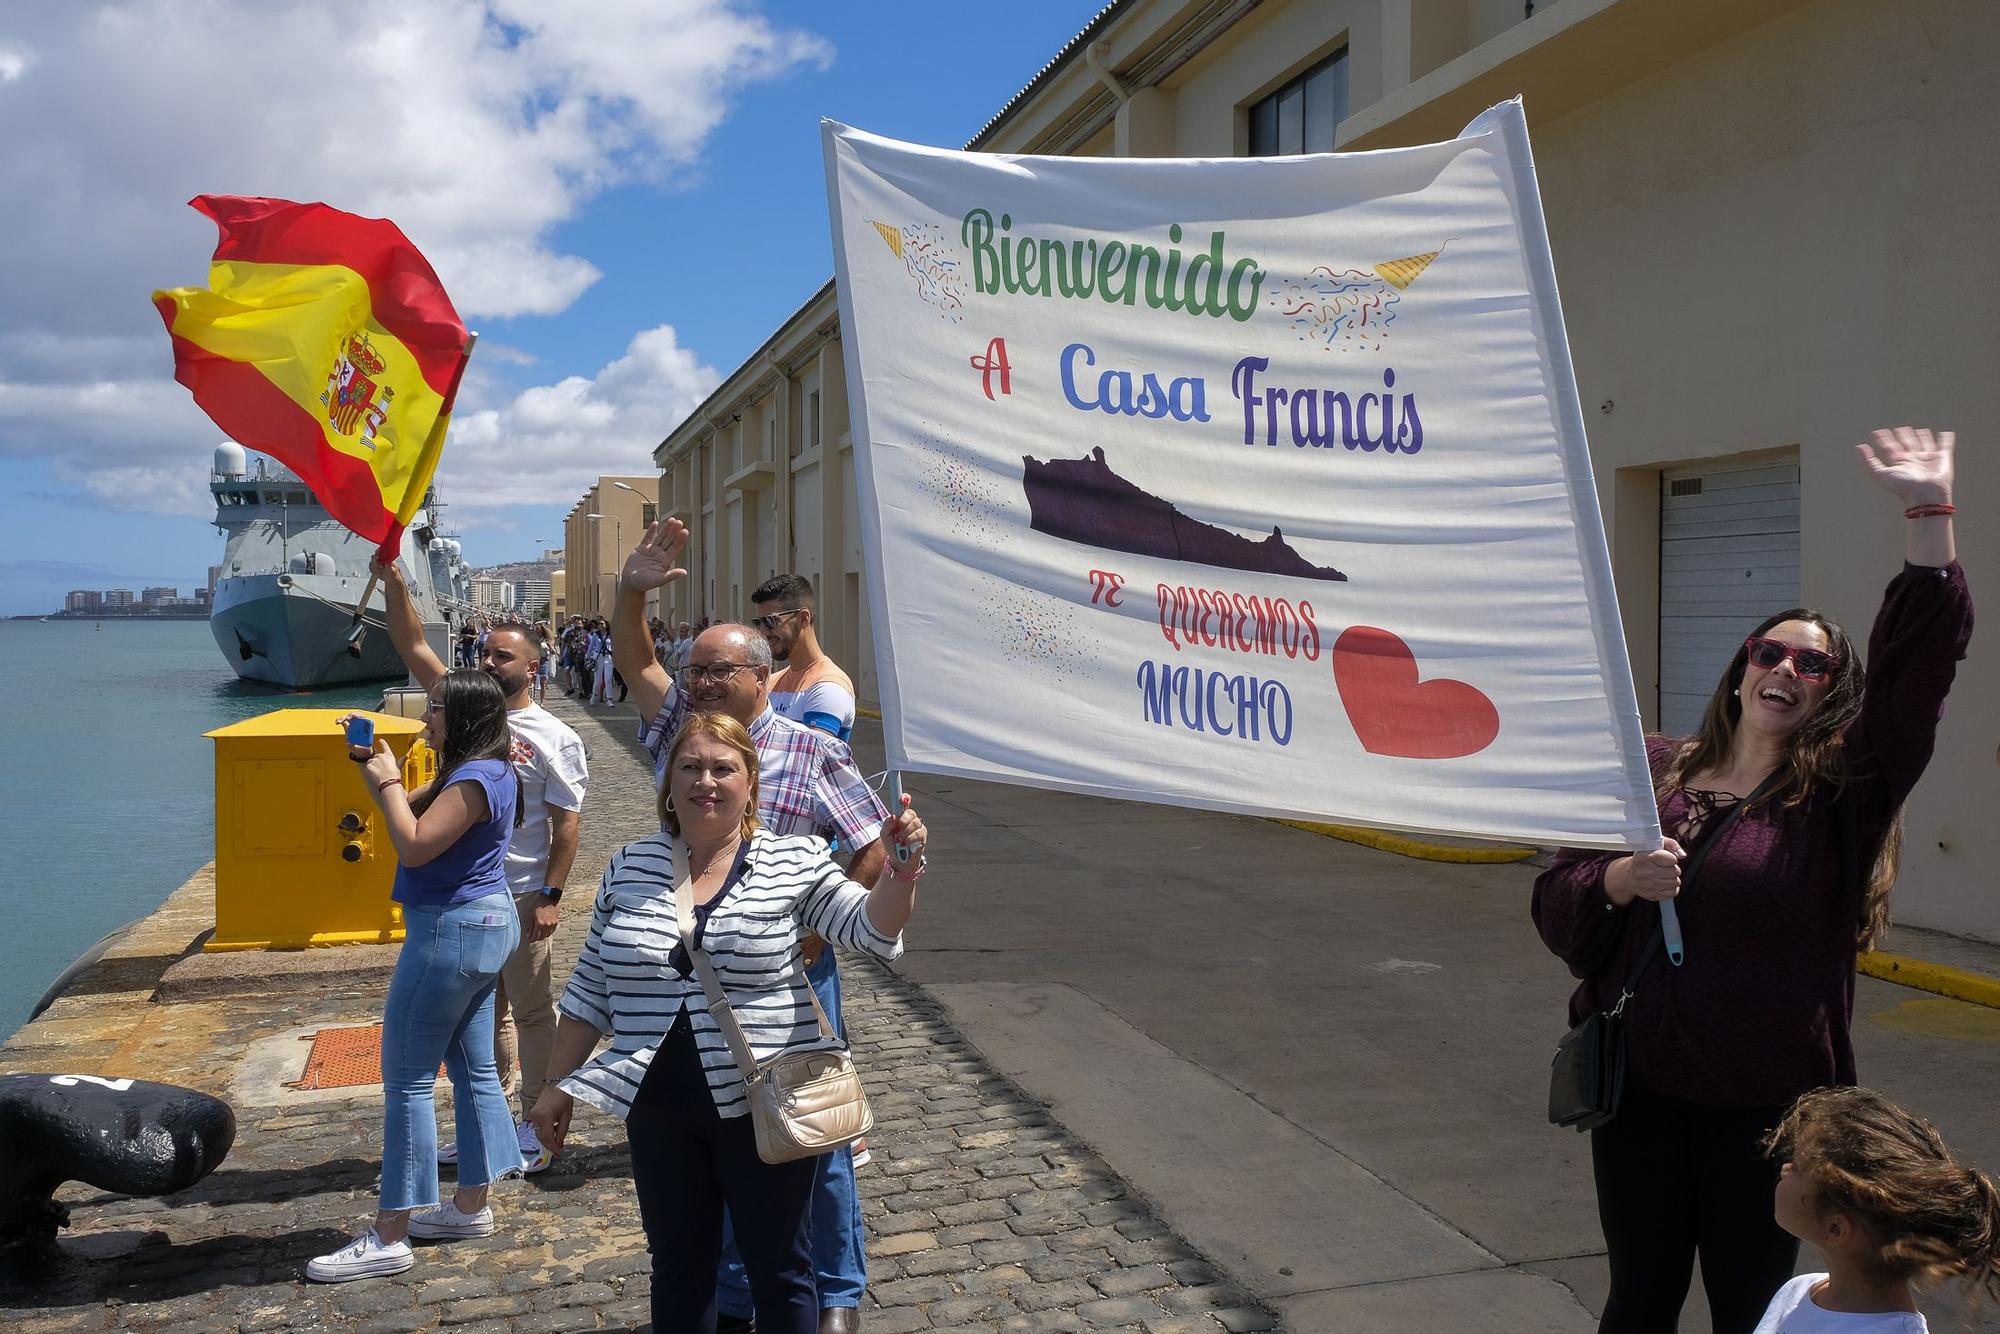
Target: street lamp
<point x="642" y="500"/>
<point x="617" y="541"/>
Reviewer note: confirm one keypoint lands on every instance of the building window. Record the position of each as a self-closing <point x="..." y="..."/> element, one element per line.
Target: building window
<point x="648" y="514"/>
<point x="1302" y="116"/>
<point x="812" y="418"/>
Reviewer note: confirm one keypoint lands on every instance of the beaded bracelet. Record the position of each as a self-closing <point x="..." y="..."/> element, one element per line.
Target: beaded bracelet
<point x="911" y="879"/>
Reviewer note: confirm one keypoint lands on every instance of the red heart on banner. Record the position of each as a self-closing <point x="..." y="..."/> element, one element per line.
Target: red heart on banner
<point x="1396" y="714"/>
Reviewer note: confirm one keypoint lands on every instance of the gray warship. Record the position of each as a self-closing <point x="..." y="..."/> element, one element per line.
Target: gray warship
<point x="290" y="575"/>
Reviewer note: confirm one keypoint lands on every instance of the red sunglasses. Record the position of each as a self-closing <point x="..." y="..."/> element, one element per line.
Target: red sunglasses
<point x="1810" y="663"/>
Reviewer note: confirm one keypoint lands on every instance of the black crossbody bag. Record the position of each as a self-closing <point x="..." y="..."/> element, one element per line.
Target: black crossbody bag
<point x="1587" y="1074"/>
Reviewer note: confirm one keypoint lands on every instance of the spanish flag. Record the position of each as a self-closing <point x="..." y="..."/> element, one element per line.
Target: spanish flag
<point x="326" y="341"/>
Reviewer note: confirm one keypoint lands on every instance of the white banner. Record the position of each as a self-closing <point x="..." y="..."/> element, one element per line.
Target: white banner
<point x="1247" y="484"/>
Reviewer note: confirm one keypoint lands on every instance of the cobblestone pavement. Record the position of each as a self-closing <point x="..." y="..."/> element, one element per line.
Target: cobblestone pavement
<point x="982" y="1213"/>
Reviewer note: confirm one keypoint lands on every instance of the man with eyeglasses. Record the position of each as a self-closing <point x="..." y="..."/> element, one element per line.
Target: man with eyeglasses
<point x="807" y="783"/>
<point x="812" y="689"/>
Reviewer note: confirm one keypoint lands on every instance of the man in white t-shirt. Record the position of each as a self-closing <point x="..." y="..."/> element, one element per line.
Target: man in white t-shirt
<point x="811" y="689"/>
<point x="549" y="758"/>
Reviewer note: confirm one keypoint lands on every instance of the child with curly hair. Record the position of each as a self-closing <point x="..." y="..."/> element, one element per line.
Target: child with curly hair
<point x="1877" y="1193"/>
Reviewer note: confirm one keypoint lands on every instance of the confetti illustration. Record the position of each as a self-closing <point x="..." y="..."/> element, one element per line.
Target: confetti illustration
<point x="1352" y="309"/>
<point x="964" y="490"/>
<point x="1038" y="631"/>
<point x="932" y="264"/>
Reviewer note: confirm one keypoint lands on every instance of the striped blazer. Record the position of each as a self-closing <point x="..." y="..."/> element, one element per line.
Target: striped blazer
<point x="624" y="985"/>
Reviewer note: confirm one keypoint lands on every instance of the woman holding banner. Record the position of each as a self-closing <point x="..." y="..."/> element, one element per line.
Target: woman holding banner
<point x="669" y="1070"/>
<point x="1798" y="881"/>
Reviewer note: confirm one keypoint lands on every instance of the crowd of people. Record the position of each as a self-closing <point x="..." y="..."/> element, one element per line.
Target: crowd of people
<point x="1739" y="1130"/>
<point x="754" y="803"/>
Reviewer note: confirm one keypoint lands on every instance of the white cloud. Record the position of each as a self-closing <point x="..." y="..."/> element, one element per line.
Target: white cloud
<point x="546" y="444"/>
<point x="480" y="126"/>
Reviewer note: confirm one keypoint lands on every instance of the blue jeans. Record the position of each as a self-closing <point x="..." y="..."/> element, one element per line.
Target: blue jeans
<point x="839" y="1267"/>
<point x="440" y="1008"/>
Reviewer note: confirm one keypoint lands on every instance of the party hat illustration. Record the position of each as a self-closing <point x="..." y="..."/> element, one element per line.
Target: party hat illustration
<point x="1400" y="273"/>
<point x="892" y="235"/>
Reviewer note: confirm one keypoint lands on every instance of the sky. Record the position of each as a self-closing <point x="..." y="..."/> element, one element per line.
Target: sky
<point x="624" y="198"/>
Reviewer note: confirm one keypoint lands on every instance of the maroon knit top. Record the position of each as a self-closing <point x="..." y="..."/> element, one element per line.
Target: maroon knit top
<point x="1762" y="1009"/>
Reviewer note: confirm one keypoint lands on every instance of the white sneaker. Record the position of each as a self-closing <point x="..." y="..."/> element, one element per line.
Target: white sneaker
<point x="534" y="1158"/>
<point x="448" y="1154"/>
<point x="448" y="1223"/>
<point x="861" y="1154"/>
<point x="367" y="1256"/>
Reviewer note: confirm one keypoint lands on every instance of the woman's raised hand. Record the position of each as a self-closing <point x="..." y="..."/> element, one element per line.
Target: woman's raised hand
<point x="1913" y="463"/>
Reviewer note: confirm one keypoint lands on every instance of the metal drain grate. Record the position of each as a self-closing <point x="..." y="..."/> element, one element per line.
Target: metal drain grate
<point x="344" y="1058"/>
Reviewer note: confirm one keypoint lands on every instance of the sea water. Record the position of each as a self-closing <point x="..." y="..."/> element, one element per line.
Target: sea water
<point x="106" y="781"/>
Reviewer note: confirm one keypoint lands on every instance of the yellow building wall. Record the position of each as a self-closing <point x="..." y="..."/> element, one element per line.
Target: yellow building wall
<point x="1786" y="241"/>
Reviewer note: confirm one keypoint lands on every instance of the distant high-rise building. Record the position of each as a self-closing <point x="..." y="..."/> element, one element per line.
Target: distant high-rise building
<point x="83" y="599"/>
<point x="214" y="573"/>
<point x="531" y="598"/>
<point x="493" y="594"/>
<point x="153" y="597"/>
<point x="118" y="597"/>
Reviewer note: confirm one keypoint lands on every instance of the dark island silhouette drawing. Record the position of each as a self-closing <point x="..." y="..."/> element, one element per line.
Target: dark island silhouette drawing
<point x="1083" y="500"/>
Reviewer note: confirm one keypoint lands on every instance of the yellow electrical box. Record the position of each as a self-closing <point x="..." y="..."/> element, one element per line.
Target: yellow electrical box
<point x="301" y="854"/>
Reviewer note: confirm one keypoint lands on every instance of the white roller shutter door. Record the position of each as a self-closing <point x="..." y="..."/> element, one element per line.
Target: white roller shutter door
<point x="1729" y="556"/>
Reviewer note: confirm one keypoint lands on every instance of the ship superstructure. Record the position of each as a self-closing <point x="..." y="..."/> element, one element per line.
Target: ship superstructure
<point x="284" y="600"/>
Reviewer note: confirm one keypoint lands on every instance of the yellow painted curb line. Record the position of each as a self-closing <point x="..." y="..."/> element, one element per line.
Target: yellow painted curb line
<point x="1410" y="847"/>
<point x="1957" y="983"/>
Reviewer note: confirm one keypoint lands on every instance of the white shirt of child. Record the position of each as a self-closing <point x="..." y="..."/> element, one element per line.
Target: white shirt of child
<point x="549" y="757"/>
<point x="1792" y="1311"/>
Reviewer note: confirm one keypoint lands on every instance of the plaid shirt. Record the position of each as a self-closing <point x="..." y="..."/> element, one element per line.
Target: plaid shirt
<point x="807" y="782"/>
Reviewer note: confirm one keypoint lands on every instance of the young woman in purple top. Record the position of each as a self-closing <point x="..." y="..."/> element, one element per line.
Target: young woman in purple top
<point x="459" y="925"/>
<point x="1762" y="1008"/>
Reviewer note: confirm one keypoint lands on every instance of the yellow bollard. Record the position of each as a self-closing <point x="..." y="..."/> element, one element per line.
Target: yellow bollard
<point x="301" y="857"/>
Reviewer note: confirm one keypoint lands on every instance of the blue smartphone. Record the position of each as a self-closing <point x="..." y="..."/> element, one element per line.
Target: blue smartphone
<point x="361" y="732"/>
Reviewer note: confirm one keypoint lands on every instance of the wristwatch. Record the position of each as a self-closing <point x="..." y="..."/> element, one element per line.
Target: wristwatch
<point x="553" y="893"/>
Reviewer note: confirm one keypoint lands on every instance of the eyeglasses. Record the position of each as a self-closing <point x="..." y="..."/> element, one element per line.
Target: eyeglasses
<point x="1810" y="663"/>
<point x="432" y="706"/>
<point x="721" y="673"/>
<point x="770" y="620"/>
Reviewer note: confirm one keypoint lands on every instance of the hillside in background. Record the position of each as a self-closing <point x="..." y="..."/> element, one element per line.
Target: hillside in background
<point x="515" y="571"/>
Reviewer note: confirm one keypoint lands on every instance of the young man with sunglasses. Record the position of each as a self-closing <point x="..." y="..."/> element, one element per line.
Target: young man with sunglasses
<point x="806" y="783"/>
<point x="812" y="689"/>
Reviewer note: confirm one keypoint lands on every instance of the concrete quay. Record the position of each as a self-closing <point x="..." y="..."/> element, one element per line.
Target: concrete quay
<point x="1142" y="1068"/>
<point x="984" y="1213"/>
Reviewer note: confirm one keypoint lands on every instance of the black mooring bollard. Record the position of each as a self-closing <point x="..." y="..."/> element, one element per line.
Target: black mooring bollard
<point x="128" y="1136"/>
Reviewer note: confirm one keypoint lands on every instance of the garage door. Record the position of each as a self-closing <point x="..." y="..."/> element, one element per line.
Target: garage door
<point x="1729" y="557"/>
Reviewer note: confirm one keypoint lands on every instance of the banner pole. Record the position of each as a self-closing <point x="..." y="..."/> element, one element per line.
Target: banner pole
<point x="902" y="851"/>
<point x="427" y="459"/>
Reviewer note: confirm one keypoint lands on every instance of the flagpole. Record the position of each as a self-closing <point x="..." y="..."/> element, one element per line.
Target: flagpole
<point x="427" y="459"/>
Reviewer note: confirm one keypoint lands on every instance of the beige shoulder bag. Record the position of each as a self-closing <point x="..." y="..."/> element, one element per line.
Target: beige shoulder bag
<point x="802" y="1103"/>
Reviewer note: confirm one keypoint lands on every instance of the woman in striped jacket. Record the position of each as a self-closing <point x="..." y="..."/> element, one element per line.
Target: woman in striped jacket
<point x="668" y="1069"/>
